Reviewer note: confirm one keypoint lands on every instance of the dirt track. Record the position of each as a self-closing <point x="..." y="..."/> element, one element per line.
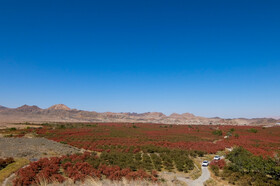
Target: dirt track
<point x="198" y="182"/>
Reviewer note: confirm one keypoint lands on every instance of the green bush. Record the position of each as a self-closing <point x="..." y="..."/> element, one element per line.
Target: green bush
<point x="253" y="130"/>
<point x="61" y="126"/>
<point x="215" y="169"/>
<point x="167" y="161"/>
<point x="147" y="163"/>
<point x="200" y="153"/>
<point x="12" y="129"/>
<point x="250" y="169"/>
<point x="217" y="132"/>
<point x="157" y="162"/>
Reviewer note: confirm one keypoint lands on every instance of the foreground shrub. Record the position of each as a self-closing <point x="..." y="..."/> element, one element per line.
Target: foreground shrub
<point x="47" y="169"/>
<point x="215" y="169"/>
<point x="219" y="163"/>
<point x="78" y="168"/>
<point x="248" y="169"/>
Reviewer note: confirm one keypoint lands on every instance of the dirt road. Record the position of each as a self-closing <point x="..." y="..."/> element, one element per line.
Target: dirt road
<point x="198" y="182"/>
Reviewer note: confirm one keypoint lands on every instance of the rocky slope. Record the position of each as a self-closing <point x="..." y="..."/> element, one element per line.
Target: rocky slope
<point x="62" y="113"/>
<point x="59" y="107"/>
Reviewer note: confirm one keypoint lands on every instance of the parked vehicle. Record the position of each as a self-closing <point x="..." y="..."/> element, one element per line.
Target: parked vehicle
<point x="217" y="158"/>
<point x="205" y="163"/>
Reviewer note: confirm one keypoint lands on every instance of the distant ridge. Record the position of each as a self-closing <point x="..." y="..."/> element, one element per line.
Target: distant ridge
<point x="2" y="107"/>
<point x="59" y="107"/>
<point x="181" y="116"/>
<point x="62" y="113"/>
<point x="27" y="108"/>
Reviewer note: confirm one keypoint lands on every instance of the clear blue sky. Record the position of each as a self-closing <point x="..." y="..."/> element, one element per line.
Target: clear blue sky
<point x="210" y="58"/>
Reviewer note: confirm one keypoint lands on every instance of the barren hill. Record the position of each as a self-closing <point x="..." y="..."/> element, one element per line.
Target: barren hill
<point x="59" y="107"/>
<point x="27" y="108"/>
<point x="62" y="113"/>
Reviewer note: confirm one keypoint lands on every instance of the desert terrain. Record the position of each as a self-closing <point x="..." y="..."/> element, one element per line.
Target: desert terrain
<point x="62" y="113"/>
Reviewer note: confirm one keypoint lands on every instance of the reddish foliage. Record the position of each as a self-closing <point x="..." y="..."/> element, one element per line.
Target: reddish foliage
<point x="45" y="168"/>
<point x="220" y="163"/>
<point x="76" y="168"/>
<point x="140" y="174"/>
<point x="199" y="137"/>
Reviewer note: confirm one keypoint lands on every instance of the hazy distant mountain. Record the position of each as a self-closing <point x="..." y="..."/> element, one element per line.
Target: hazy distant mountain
<point x="2" y="107"/>
<point x="62" y="113"/>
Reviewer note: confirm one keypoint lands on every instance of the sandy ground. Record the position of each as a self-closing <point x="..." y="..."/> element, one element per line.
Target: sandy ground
<point x="198" y="182"/>
<point x="18" y="126"/>
<point x="33" y="148"/>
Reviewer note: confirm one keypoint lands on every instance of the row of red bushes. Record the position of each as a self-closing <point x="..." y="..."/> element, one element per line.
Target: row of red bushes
<point x="264" y="141"/>
<point x="76" y="168"/>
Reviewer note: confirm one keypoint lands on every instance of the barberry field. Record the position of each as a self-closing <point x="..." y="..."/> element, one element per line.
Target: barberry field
<point x="117" y="151"/>
<point x="135" y="137"/>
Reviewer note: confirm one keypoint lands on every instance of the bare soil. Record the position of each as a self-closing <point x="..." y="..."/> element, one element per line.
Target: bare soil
<point x="18" y="126"/>
<point x="33" y="148"/>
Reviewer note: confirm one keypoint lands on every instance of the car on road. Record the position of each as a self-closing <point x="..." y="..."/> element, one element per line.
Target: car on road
<point x="205" y="163"/>
<point x="217" y="158"/>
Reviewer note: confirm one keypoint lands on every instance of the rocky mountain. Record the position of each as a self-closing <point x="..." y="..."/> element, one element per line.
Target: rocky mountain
<point x="62" y="113"/>
<point x="27" y="108"/>
<point x="59" y="107"/>
<point x="182" y="116"/>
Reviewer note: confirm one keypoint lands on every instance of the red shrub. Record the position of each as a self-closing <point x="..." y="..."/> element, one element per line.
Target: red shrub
<point x="220" y="163"/>
<point x="45" y="168"/>
<point x="200" y="137"/>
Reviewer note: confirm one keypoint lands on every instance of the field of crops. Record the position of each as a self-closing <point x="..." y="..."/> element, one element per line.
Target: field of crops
<point x="135" y="137"/>
<point x="140" y="151"/>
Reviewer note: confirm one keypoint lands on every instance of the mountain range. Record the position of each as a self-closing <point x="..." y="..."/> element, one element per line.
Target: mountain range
<point x="62" y="113"/>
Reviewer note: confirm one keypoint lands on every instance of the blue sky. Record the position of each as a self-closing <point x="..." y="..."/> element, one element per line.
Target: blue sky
<point x="210" y="58"/>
